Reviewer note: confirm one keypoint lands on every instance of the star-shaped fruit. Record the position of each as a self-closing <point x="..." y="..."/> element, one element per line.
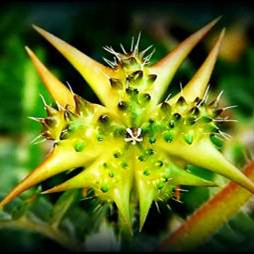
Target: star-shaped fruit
<point x="133" y="147"/>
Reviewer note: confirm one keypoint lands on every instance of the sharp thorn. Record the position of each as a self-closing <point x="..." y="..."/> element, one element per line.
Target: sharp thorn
<point x="123" y="49"/>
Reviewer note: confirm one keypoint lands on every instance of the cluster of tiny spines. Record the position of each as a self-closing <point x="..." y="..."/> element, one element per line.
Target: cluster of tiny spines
<point x="132" y="88"/>
<point x="188" y="121"/>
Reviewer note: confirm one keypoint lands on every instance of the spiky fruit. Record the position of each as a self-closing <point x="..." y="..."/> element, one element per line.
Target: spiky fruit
<point x="134" y="144"/>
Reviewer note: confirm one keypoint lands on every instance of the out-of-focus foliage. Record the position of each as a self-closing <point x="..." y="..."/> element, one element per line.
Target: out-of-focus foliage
<point x="89" y="26"/>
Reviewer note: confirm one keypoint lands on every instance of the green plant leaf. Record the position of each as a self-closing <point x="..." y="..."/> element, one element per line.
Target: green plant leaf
<point x="62" y="205"/>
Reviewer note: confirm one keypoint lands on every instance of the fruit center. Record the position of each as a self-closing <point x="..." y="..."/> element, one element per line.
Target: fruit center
<point x="133" y="135"/>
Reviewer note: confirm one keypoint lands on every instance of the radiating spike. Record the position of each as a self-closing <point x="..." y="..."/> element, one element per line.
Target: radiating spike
<point x="166" y="68"/>
<point x="57" y="89"/>
<point x="121" y="196"/>
<point x="146" y="197"/>
<point x="83" y="179"/>
<point x="93" y="72"/>
<point x="204" y="154"/>
<point x="88" y="177"/>
<point x="198" y="84"/>
<point x="61" y="159"/>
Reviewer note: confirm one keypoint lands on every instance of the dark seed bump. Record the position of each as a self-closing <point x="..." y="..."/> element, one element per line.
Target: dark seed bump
<point x="50" y="122"/>
<point x="129" y="78"/>
<point x="171" y="124"/>
<point x="218" y="112"/>
<point x="195" y="111"/>
<point x="117" y="155"/>
<point x="197" y="100"/>
<point x="181" y="100"/>
<point x="122" y="105"/>
<point x="191" y="120"/>
<point x="151" y="120"/>
<point x="115" y="83"/>
<point x="152" y="77"/>
<point x="63" y="135"/>
<point x="165" y="178"/>
<point x="177" y="116"/>
<point x="103" y="118"/>
<point x="147" y="96"/>
<point x="135" y="91"/>
<point x="128" y="90"/>
<point x="105" y="165"/>
<point x="165" y="106"/>
<point x="212" y="103"/>
<point x="137" y="74"/>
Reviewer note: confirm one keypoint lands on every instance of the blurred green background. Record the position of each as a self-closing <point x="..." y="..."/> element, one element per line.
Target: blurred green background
<point x="89" y="26"/>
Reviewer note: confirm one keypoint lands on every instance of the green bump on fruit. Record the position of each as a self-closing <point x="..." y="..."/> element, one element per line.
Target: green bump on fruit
<point x="149" y="152"/>
<point x="132" y="128"/>
<point x="104" y="188"/>
<point x="141" y="158"/>
<point x="111" y="174"/>
<point x="152" y="140"/>
<point x="146" y="172"/>
<point x="124" y="164"/>
<point x="160" y="185"/>
<point x="100" y="138"/>
<point x="168" y="136"/>
<point x="188" y="138"/>
<point x="158" y="163"/>
<point x="79" y="146"/>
